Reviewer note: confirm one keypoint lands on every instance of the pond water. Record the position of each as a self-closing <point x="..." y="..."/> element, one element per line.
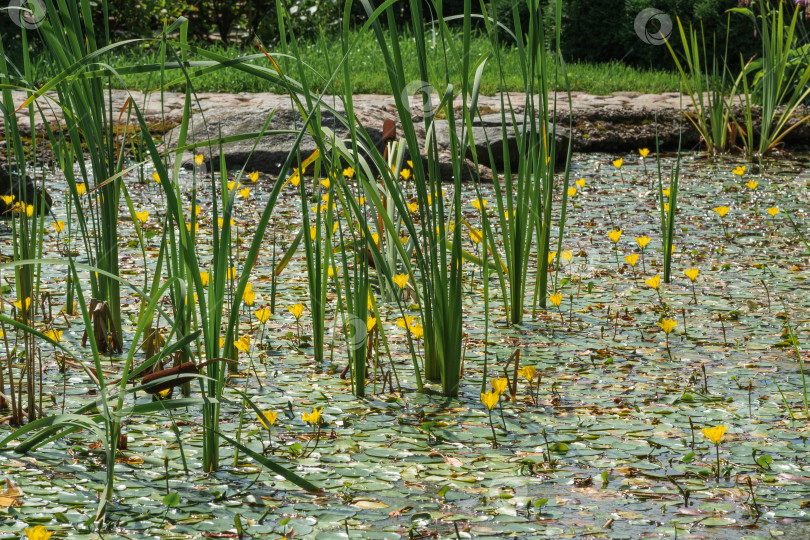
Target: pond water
<point x="611" y="449"/>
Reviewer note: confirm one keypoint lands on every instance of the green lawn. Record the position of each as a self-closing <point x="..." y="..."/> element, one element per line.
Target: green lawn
<point x="369" y="74"/>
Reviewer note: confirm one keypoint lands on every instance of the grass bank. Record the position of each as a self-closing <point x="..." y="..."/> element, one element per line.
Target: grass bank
<point x="599" y="79"/>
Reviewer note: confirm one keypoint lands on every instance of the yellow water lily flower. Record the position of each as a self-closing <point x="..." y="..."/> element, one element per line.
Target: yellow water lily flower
<point x="551" y="256"/>
<point x="643" y="152"/>
<point x="401" y="280"/>
<point x="665" y="192"/>
<point x="295" y="178"/>
<point x="297" y="310"/>
<point x="490" y="399"/>
<point x="642" y="241"/>
<point x="556" y="299"/>
<point x="19" y="304"/>
<point x="244" y="192"/>
<point x="692" y="273"/>
<point x="348" y="172"/>
<point x="37" y="533"/>
<point x="330" y="271"/>
<point x="572" y="191"/>
<point x="198" y="159"/>
<point x="267" y="419"/>
<point x="715" y="434"/>
<point x="7" y="199"/>
<point x="155" y="177"/>
<point x="618" y="163"/>
<point x="632" y="259"/>
<point x="667" y="325"/>
<point x="739" y="171"/>
<point x="567" y="255"/>
<point x="142" y="216"/>
<point x="417" y="331"/>
<point x="221" y="222"/>
<point x="204" y="277"/>
<point x="81" y="189"/>
<point x="312" y="417"/>
<point x="773" y="210"/>
<point x="230" y="273"/>
<point x="528" y="372"/>
<point x="405" y="174"/>
<point x="59" y="225"/>
<point x="479" y="203"/>
<point x="722" y="210"/>
<point x="263" y="314"/>
<point x="242" y="344"/>
<point x="413" y="207"/>
<point x="580" y="183"/>
<point x="249" y="296"/>
<point x="371" y="322"/>
<point x="254" y="176"/>
<point x="654" y="281"/>
<point x="405" y="322"/>
<point x="615" y="235"/>
<point x="196" y="227"/>
<point x="752" y="184"/>
<point x="499" y="385"/>
<point x="55" y="335"/>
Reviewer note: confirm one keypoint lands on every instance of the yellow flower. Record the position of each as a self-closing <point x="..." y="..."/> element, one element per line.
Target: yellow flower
<point x="643" y="152"/>
<point x="692" y="273"/>
<point x="551" y="256"/>
<point x="81" y="189"/>
<point x="401" y="280"/>
<point x="221" y="221"/>
<point x="230" y="273"/>
<point x="715" y="434"/>
<point x="417" y="331"/>
<point x="198" y="159"/>
<point x="632" y="259"/>
<point x="295" y="178"/>
<point x="37" y="533"/>
<point x="244" y="192"/>
<point x="773" y="210"/>
<point x="268" y="418"/>
<point x="8" y="199"/>
<point x="313" y="232"/>
<point x="330" y="271"/>
<point x="572" y="191"/>
<point x="204" y="277"/>
<point x="556" y="299"/>
<point x="142" y="216"/>
<point x="326" y="183"/>
<point x="405" y="322"/>
<point x="19" y="305"/>
<point x="405" y="174"/>
<point x="666" y="207"/>
<point x="615" y="235"/>
<point x="242" y="344"/>
<point x="59" y="225"/>
<point x="490" y="399"/>
<point x="297" y="310"/>
<point x="413" y="207"/>
<point x="618" y="163"/>
<point x="312" y="417"/>
<point x="722" y="210"/>
<point x="499" y="385"/>
<point x="642" y="241"/>
<point x="567" y="255"/>
<point x="752" y="184"/>
<point x="739" y="171"/>
<point x="196" y="227"/>
<point x="249" y="296"/>
<point x="479" y="203"/>
<point x="55" y="335"/>
<point x="348" y="172"/>
<point x="528" y="372"/>
<point x="29" y="210"/>
<point x="654" y="281"/>
<point x="262" y="314"/>
<point x="665" y="192"/>
<point x="254" y="176"/>
<point x="360" y="200"/>
<point x="580" y="183"/>
<point x="371" y="322"/>
<point x="155" y="177"/>
<point x="667" y="325"/>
